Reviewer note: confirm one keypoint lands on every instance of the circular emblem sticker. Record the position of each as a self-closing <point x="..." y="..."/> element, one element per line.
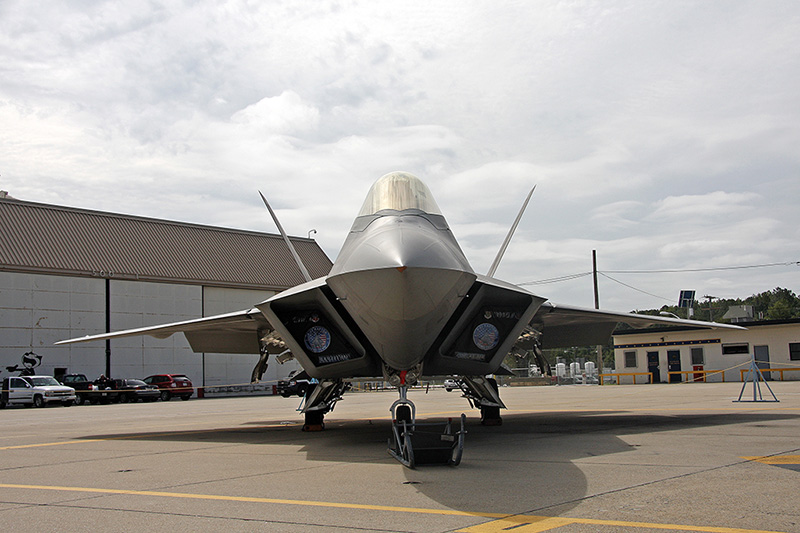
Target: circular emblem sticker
<point x="317" y="339"/>
<point x="485" y="336"/>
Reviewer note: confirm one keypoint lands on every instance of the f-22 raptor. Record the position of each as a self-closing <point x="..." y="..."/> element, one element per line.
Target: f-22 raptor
<point x="401" y="302"/>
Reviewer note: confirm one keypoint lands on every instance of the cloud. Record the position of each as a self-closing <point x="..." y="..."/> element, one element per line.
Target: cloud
<point x="731" y="206"/>
<point x="660" y="135"/>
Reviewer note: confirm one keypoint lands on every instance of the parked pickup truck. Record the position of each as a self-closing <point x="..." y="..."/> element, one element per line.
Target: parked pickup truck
<point x="96" y="391"/>
<point x="35" y="390"/>
<point x="296" y="383"/>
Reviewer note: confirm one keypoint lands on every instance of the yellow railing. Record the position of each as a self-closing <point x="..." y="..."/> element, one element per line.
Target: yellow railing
<point x="765" y="370"/>
<point x="634" y="374"/>
<point x="694" y="378"/>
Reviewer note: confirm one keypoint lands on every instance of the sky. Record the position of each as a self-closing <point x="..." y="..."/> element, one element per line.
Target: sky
<point x="663" y="135"/>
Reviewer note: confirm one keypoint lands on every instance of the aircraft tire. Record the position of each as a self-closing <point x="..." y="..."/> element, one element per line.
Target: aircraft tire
<point x="403" y="413"/>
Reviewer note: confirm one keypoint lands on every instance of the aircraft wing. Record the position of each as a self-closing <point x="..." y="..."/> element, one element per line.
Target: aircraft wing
<point x="564" y="326"/>
<point x="237" y="332"/>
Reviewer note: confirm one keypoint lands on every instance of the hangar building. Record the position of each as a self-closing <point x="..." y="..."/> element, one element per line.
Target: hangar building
<point x="67" y="272"/>
<point x="675" y="354"/>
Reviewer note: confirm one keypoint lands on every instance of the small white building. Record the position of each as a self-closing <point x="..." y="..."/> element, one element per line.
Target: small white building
<point x="681" y="354"/>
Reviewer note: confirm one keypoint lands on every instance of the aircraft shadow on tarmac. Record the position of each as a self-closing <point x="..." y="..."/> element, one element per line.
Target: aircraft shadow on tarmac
<point x="525" y="465"/>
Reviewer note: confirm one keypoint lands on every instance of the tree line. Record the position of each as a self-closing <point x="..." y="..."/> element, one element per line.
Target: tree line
<point x="777" y="304"/>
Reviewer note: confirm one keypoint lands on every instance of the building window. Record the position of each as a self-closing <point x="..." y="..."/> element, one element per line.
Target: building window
<point x="698" y="357"/>
<point x="630" y="359"/>
<point x="794" y="351"/>
<point x="732" y="349"/>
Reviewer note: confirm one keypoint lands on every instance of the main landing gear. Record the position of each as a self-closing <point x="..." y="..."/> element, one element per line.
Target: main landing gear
<point x="482" y="393"/>
<point x="319" y="400"/>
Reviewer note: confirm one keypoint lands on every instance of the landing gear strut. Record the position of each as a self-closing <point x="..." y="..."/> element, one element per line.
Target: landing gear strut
<point x="483" y="394"/>
<point x="319" y="400"/>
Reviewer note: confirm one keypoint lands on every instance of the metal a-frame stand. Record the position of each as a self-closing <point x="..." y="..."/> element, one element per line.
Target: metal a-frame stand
<point x="754" y="374"/>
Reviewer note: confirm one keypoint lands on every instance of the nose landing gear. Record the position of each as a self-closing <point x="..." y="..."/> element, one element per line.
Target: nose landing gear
<point x="414" y="443"/>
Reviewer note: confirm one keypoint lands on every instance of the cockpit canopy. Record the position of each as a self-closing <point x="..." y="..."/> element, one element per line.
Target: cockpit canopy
<point x="399" y="191"/>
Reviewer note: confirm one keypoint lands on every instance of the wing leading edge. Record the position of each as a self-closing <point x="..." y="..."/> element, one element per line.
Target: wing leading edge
<point x="237" y="332"/>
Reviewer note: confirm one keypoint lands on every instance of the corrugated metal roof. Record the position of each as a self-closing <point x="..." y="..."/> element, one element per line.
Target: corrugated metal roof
<point x="61" y="240"/>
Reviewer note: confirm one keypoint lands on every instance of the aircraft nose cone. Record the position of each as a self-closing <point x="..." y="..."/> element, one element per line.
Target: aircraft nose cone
<point x="401" y="241"/>
<point x="402" y="310"/>
<point x="401" y="281"/>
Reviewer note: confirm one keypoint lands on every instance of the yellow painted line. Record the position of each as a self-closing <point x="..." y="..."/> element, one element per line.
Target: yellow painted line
<point x="505" y="522"/>
<point x="537" y="524"/>
<point x="520" y="524"/>
<point x="310" y="503"/>
<point x="41" y="444"/>
<point x="776" y="460"/>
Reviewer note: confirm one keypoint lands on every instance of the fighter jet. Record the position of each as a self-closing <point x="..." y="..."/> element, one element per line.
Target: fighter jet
<point x="400" y="302"/>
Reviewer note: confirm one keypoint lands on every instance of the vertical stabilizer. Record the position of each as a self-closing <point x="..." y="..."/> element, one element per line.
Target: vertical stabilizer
<point x="300" y="264"/>
<point x="496" y="262"/>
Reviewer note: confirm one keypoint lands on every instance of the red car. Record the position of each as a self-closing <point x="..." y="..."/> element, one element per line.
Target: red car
<point x="171" y="385"/>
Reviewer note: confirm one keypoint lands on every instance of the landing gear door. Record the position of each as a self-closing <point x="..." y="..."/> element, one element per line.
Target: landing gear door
<point x="319" y="333"/>
<point x="482" y="332"/>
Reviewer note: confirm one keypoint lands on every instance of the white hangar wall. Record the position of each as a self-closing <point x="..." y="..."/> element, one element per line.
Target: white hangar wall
<point x="36" y="310"/>
<point x="727" y="350"/>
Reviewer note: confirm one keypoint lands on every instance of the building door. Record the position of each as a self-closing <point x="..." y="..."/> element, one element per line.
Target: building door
<point x="652" y="366"/>
<point x="674" y="365"/>
<point x="761" y="353"/>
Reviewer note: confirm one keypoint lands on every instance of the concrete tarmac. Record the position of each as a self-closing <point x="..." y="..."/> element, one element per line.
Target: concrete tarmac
<point x="630" y="458"/>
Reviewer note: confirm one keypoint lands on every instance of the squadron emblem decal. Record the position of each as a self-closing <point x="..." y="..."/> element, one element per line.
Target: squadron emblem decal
<point x="485" y="336"/>
<point x="317" y="339"/>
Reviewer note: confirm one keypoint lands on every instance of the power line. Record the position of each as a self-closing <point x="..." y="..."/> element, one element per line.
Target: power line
<point x="634" y="288"/>
<point x="710" y="269"/>
<point x="556" y="280"/>
<point x="570" y="277"/>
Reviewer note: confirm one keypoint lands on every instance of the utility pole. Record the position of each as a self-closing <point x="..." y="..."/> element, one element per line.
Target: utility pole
<point x="710" y="310"/>
<point x="597" y="306"/>
<point x="594" y="276"/>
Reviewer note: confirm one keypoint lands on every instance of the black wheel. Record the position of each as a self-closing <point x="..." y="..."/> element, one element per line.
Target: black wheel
<point x="38" y="401"/>
<point x="186" y="397"/>
<point x="490" y="416"/>
<point x="165" y="396"/>
<point x="80" y="400"/>
<point x="403" y="413"/>
<point x="314" y="421"/>
<point x="301" y="390"/>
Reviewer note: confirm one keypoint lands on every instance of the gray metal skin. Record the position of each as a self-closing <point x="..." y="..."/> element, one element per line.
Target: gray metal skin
<point x="402" y="294"/>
